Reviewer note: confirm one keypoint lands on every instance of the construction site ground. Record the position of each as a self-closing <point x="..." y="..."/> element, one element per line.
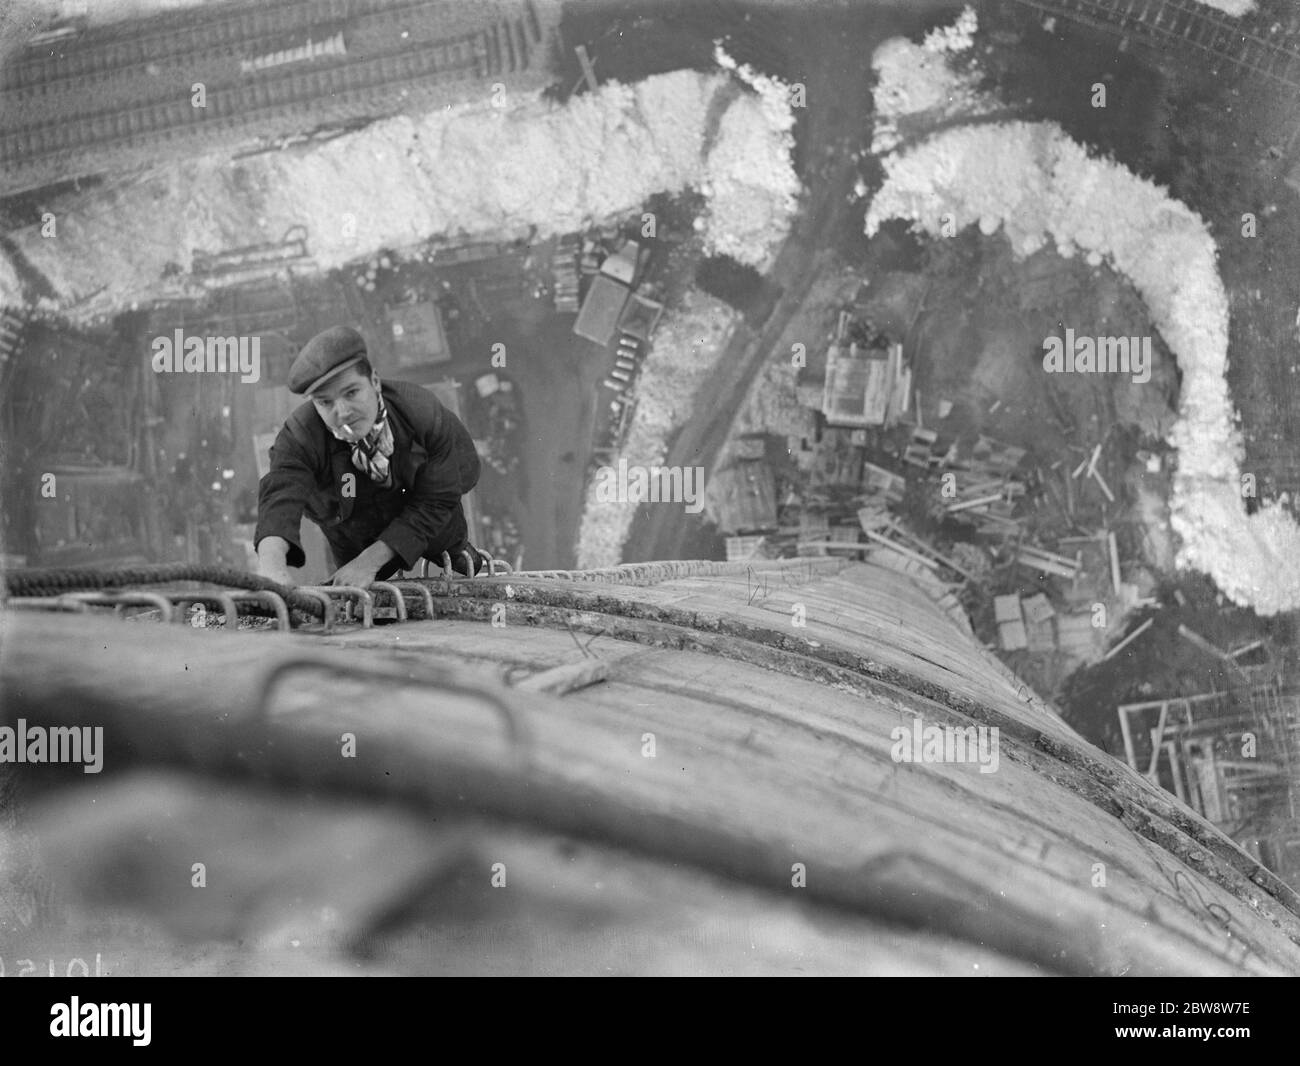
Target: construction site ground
<point x="974" y="320"/>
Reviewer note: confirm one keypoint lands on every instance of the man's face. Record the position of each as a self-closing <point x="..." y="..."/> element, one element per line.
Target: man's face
<point x="349" y="403"/>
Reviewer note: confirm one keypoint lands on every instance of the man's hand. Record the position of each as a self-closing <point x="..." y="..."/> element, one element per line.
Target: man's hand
<point x="358" y="573"/>
<point x="361" y="571"/>
<point x="272" y="556"/>
<point x="280" y="575"/>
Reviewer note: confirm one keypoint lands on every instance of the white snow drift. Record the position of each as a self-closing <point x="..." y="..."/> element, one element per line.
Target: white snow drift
<point x="1036" y="184"/>
<point x="1230" y="7"/>
<point x="467" y="171"/>
<point x="920" y="81"/>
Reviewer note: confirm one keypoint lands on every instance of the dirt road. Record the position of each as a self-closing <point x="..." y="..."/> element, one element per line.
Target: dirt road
<point x="834" y="51"/>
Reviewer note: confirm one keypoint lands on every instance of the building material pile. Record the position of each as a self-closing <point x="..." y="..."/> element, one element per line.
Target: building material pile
<point x="867" y="383"/>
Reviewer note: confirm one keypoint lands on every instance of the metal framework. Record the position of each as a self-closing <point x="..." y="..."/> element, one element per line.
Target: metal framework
<point x="1233" y="756"/>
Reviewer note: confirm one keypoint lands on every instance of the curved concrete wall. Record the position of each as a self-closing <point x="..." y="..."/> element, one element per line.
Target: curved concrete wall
<point x="714" y="786"/>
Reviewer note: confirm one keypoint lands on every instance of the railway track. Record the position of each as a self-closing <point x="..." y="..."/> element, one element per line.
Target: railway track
<point x="92" y="55"/>
<point x="287" y="97"/>
<point x="229" y="107"/>
<point x="1266" y="43"/>
<point x="234" y="31"/>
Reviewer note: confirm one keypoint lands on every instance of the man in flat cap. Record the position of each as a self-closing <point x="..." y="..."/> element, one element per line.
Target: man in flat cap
<point x="380" y="466"/>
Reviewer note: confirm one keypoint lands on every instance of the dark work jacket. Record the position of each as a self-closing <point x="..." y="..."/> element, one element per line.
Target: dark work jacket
<point x="434" y="463"/>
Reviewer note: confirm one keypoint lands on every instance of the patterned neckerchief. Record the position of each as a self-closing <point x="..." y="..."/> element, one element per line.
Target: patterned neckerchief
<point x="371" y="453"/>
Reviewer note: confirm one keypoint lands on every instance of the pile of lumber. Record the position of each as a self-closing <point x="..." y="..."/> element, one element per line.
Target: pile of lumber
<point x="1046" y="562"/>
<point x="989" y="504"/>
<point x="886" y="531"/>
<point x="1025" y="625"/>
<point x="921" y="450"/>
<point x="883" y="483"/>
<point x="993" y="458"/>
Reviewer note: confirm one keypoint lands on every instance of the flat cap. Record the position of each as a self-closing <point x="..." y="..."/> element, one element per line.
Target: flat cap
<point x="326" y="354"/>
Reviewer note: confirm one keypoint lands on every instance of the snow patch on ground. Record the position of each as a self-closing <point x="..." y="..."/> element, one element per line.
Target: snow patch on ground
<point x="1230" y="7"/>
<point x="920" y="83"/>
<point x="687" y="344"/>
<point x="751" y="187"/>
<point x="469" y="171"/>
<point x="1036" y="184"/>
<point x="955" y="38"/>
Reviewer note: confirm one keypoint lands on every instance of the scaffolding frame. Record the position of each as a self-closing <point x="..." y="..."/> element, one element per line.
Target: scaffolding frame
<point x="1197" y="735"/>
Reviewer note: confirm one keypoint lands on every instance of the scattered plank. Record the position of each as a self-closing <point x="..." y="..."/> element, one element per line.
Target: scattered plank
<point x="842" y="545"/>
<point x="1043" y="553"/>
<point x="979" y="501"/>
<point x="1157" y="736"/>
<point x="930" y="563"/>
<point x="1205" y="645"/>
<point x="1003" y="526"/>
<point x="1096" y="475"/>
<point x="983" y="487"/>
<point x="1045" y="565"/>
<point x="935" y="553"/>
<point x="588" y="68"/>
<point x="1092" y="463"/>
<point x="1129" y="639"/>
